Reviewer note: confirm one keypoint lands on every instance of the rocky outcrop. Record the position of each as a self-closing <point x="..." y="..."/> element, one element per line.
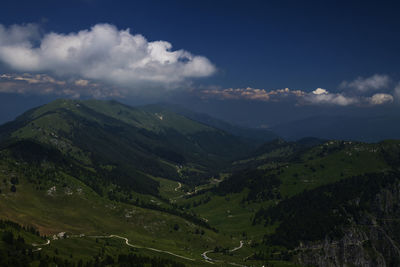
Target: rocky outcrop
<point x="371" y="238"/>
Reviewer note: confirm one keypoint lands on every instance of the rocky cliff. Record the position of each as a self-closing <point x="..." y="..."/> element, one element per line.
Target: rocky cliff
<point x="371" y="238"/>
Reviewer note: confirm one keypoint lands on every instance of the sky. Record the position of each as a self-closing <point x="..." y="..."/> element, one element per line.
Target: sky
<point x="254" y="63"/>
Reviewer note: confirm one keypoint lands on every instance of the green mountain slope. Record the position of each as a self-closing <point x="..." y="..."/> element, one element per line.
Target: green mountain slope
<point x="290" y="198"/>
<point x="129" y="184"/>
<point x="300" y="166"/>
<point x="128" y="142"/>
<point x="41" y="188"/>
<point x="97" y="171"/>
<point x="258" y="135"/>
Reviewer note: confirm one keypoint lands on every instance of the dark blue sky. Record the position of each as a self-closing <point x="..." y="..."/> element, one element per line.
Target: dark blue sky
<point x="301" y="45"/>
<point x="264" y="44"/>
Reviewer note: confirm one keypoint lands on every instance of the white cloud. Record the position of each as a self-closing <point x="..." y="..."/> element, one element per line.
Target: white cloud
<point x="21" y="35"/>
<point x="323" y="97"/>
<point x="320" y="91"/>
<point x="397" y="92"/>
<point x="81" y="82"/>
<point x="379" y="99"/>
<point x="375" y="82"/>
<point x="101" y="53"/>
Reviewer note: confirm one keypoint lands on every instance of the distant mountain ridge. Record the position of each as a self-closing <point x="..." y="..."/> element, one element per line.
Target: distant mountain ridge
<point x="365" y="129"/>
<point x="257" y="134"/>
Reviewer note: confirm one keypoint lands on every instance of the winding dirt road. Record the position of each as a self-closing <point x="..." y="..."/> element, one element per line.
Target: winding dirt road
<point x="203" y="255"/>
<point x="212" y="261"/>
<point x="136" y="246"/>
<point x="178" y="187"/>
<point x="239" y="247"/>
<point x="40" y="245"/>
<point x="206" y="258"/>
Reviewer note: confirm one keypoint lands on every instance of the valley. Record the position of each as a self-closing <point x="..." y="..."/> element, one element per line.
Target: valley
<point x="199" y="133"/>
<point x="150" y="184"/>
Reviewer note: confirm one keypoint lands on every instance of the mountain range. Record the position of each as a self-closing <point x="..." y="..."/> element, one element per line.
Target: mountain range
<point x="100" y="183"/>
<point x="373" y="128"/>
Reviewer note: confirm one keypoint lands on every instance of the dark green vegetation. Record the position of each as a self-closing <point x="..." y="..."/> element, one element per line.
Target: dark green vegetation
<point x="311" y="215"/>
<point x="95" y="168"/>
<point x="17" y="249"/>
<point x="126" y="141"/>
<point x="289" y="197"/>
<point x="93" y="173"/>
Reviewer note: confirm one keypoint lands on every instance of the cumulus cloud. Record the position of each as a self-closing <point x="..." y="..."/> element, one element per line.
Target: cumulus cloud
<point x="19" y="35"/>
<point x="322" y="96"/>
<point x="103" y="53"/>
<point x="379" y="99"/>
<point x="320" y="91"/>
<point x="375" y="82"/>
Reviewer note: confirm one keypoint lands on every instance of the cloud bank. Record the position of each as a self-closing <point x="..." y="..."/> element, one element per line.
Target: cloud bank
<point x="357" y="93"/>
<point x="102" y="53"/>
<point x="375" y="82"/>
<point x="250" y="93"/>
<point x="43" y="84"/>
<point x="322" y="96"/>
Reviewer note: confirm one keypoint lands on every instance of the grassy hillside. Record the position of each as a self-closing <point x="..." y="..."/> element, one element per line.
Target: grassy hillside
<point x="281" y="174"/>
<point x="44" y="194"/>
<point x="127" y="141"/>
<point x="300" y="167"/>
<point x="106" y="184"/>
<point x="99" y="172"/>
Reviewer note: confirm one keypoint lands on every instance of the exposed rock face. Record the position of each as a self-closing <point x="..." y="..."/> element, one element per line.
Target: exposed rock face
<point x="372" y="239"/>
